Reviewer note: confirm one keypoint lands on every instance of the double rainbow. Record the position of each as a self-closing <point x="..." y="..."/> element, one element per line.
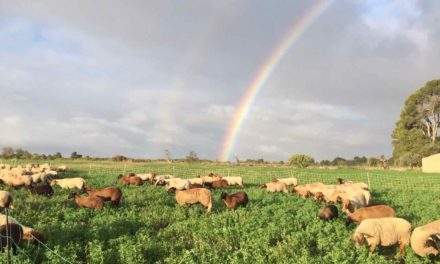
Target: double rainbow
<point x="264" y="73"/>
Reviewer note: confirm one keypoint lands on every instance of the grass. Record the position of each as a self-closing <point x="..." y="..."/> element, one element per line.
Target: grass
<point x="275" y="228"/>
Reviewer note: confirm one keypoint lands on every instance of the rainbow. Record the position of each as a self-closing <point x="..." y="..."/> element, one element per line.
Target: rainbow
<point x="264" y="73"/>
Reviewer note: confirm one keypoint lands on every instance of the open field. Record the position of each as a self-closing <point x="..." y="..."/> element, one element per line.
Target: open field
<point x="275" y="228"/>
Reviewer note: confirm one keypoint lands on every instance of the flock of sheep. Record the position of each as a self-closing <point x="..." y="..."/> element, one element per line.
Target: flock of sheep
<point x="377" y="223"/>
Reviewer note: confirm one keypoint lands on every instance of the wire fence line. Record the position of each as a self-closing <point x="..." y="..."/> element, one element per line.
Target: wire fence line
<point x="259" y="175"/>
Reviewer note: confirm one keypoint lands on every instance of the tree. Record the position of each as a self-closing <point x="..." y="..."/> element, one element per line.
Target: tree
<point x="301" y="160"/>
<point x="168" y="156"/>
<point x="58" y="155"/>
<point x="338" y="161"/>
<point x="417" y="131"/>
<point x="75" y="155"/>
<point x="192" y="156"/>
<point x="8" y="152"/>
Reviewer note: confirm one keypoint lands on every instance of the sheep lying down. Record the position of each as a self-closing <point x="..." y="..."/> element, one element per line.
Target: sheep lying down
<point x="385" y="231"/>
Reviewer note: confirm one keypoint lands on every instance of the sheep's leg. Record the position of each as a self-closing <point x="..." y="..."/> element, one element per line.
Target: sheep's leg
<point x="372" y="248"/>
<point x="402" y="248"/>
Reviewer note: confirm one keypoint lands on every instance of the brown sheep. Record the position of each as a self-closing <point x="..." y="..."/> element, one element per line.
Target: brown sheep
<point x="234" y="200"/>
<point x="131" y="180"/>
<point x="44" y="189"/>
<point x="88" y="202"/>
<point x="217" y="184"/>
<point x="195" y="185"/>
<point x="11" y="236"/>
<point x="376" y="211"/>
<point x="329" y="212"/>
<point x="193" y="196"/>
<point x="112" y="194"/>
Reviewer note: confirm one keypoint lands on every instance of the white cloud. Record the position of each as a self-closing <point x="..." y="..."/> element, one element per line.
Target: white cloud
<point x="396" y="18"/>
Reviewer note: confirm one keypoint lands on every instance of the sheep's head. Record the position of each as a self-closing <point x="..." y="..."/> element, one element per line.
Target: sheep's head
<point x="263" y="185"/>
<point x="294" y="190"/>
<point x="131" y="174"/>
<point x="223" y="195"/>
<point x="274" y="179"/>
<point x="359" y="239"/>
<point x="34" y="236"/>
<point x="433" y="241"/>
<point x="172" y="190"/>
<point x="211" y="174"/>
<point x="53" y="182"/>
<point x="348" y="221"/>
<point x="340" y="181"/>
<point x="120" y="176"/>
<point x="71" y="195"/>
<point x="319" y="196"/>
<point x="339" y="199"/>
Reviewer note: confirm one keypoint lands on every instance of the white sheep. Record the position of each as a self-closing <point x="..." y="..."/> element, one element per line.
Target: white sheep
<point x="197" y="180"/>
<point x="39" y="177"/>
<point x="275" y="187"/>
<point x="178" y="184"/>
<point x="147" y="176"/>
<point x="289" y="181"/>
<point x="6" y="200"/>
<point x="234" y="181"/>
<point x="69" y="183"/>
<point x="421" y="235"/>
<point x="385" y="231"/>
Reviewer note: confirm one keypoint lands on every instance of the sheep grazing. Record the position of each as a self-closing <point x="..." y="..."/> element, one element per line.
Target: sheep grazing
<point x="371" y="212"/>
<point x="302" y="191"/>
<point x="130" y="180"/>
<point x="434" y="242"/>
<point x="217" y="184"/>
<point x="16" y="181"/>
<point x="234" y="200"/>
<point x="197" y="180"/>
<point x="383" y="231"/>
<point x="147" y="176"/>
<point x="112" y="194"/>
<point x="234" y="181"/>
<point x="195" y="185"/>
<point x="39" y="177"/>
<point x="210" y="178"/>
<point x="352" y="201"/>
<point x="178" y="184"/>
<point x="425" y="240"/>
<point x="275" y="187"/>
<point x="287" y="181"/>
<point x="45" y="190"/>
<point x="88" y="202"/>
<point x="61" y="168"/>
<point x="11" y="236"/>
<point x="193" y="196"/>
<point x="29" y="234"/>
<point x="69" y="183"/>
<point x="6" y="200"/>
<point x="329" y="212"/>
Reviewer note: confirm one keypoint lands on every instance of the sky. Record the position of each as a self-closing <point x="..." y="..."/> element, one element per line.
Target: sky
<point x="136" y="78"/>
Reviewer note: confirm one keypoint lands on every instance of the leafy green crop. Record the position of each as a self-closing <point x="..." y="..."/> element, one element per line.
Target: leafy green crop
<point x="150" y="227"/>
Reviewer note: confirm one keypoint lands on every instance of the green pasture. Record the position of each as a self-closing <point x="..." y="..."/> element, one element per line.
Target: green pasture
<point x="275" y="228"/>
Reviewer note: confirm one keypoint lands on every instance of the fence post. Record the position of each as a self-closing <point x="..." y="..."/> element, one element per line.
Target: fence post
<point x="90" y="169"/>
<point x="368" y="178"/>
<point x="125" y="167"/>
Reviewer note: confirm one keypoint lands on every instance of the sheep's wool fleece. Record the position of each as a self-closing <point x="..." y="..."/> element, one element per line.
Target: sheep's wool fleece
<point x="385" y="231"/>
<point x="420" y="235"/>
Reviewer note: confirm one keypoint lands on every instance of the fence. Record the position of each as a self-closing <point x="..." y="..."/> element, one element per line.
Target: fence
<point x="376" y="179"/>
